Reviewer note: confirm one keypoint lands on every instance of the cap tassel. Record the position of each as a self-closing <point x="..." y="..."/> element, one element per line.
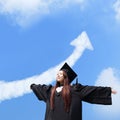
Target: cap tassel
<point x="76" y="81"/>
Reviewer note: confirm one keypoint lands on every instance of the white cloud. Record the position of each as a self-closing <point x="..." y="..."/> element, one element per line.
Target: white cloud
<point x="23" y="12"/>
<point x="116" y="7"/>
<point x="110" y="77"/>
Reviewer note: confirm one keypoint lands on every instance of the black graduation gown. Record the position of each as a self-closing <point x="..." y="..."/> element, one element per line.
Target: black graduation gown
<point x="79" y="93"/>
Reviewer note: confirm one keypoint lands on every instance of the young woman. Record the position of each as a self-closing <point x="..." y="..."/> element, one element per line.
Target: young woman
<point x="64" y="101"/>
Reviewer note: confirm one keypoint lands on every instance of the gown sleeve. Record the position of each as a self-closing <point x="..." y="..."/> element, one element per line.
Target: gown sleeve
<point x="41" y="91"/>
<point x="94" y="94"/>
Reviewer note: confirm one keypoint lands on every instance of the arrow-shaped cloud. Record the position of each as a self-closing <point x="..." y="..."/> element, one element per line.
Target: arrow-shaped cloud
<point x="18" y="88"/>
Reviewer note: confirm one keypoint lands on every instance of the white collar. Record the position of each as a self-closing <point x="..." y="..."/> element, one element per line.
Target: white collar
<point x="59" y="89"/>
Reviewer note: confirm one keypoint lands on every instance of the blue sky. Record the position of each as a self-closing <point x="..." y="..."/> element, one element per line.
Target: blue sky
<point x="35" y="37"/>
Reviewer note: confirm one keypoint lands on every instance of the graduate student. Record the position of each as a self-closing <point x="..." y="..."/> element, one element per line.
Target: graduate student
<point x="64" y="101"/>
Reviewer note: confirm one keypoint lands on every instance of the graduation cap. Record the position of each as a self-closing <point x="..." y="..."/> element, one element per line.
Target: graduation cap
<point x="71" y="74"/>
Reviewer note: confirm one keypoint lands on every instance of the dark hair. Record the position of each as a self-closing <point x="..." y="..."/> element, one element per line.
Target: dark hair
<point x="66" y="95"/>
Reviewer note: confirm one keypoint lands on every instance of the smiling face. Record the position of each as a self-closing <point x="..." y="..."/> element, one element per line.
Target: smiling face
<point x="61" y="76"/>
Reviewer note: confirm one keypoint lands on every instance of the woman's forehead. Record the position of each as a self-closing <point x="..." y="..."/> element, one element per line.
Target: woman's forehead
<point x="61" y="71"/>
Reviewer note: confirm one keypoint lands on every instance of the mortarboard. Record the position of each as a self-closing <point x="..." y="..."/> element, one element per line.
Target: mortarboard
<point x="71" y="74"/>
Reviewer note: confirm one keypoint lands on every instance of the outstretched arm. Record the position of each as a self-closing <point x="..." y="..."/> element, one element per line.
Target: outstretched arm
<point x="97" y="94"/>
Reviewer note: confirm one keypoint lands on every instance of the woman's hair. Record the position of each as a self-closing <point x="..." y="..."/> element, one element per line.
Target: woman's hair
<point x="65" y="93"/>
